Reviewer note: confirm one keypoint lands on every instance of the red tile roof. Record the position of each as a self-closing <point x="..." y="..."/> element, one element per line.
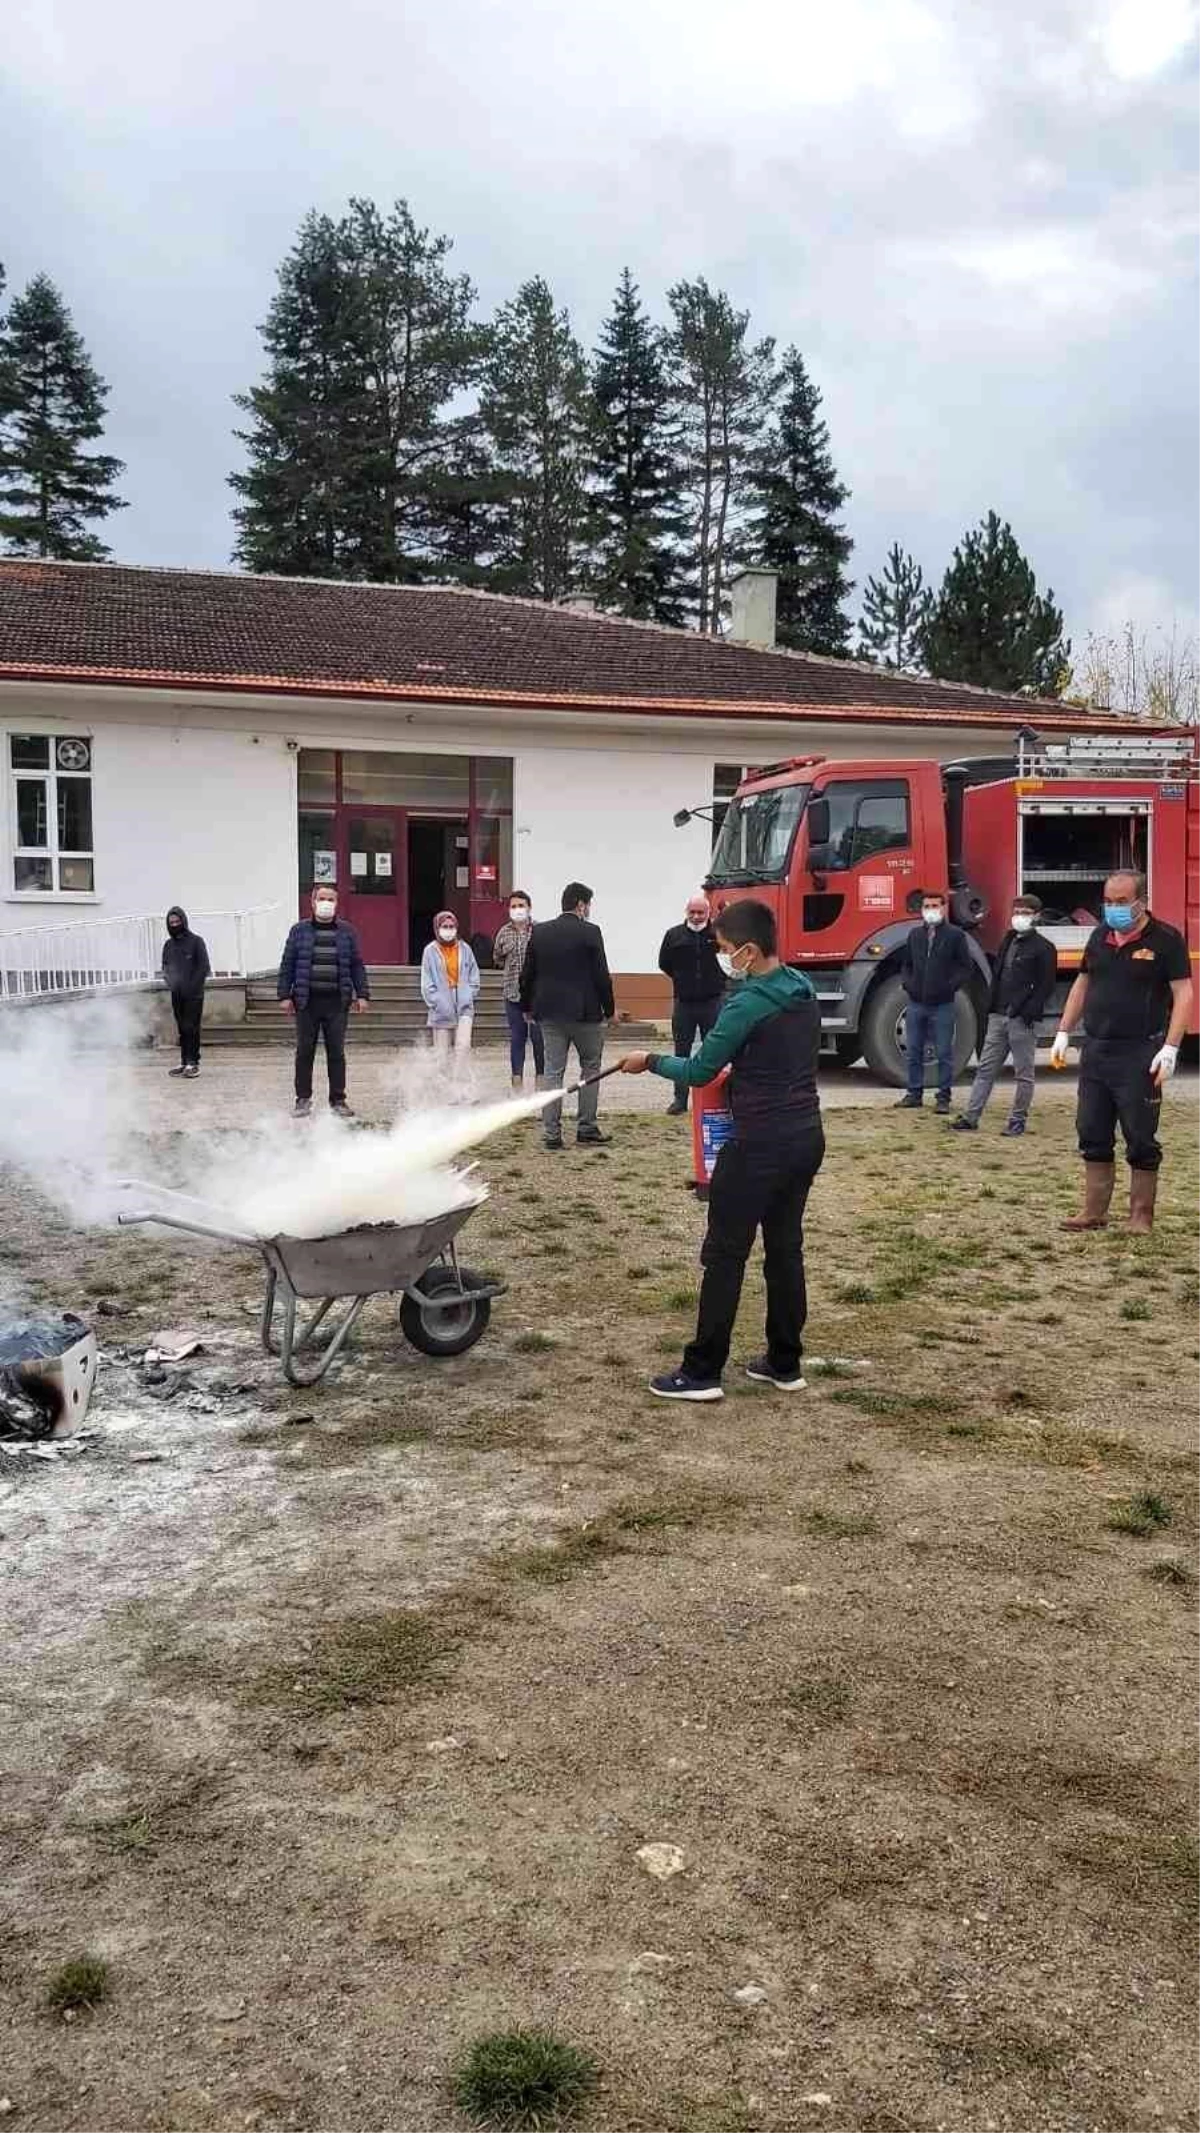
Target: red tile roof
<point x="113" y="624"/>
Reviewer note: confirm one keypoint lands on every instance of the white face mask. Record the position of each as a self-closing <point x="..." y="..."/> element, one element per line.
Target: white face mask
<point x="932" y="914"/>
<point x="324" y="910"/>
<point x="1022" y="921"/>
<point x="696" y="925"/>
<point x="728" y="967"/>
<point x="447" y="933"/>
<point x="519" y="914"/>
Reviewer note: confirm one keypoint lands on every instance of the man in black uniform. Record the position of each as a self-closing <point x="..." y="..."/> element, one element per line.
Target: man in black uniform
<point x="688" y="957"/>
<point x="1134" y="992"/>
<point x="768" y="1034"/>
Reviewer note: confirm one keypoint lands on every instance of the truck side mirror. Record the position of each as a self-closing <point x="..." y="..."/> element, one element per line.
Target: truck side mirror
<point x="820" y="858"/>
<point x="817" y="817"/>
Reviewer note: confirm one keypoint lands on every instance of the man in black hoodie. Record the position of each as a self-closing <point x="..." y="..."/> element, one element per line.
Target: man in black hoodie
<point x="185" y="966"/>
<point x="1022" y="982"/>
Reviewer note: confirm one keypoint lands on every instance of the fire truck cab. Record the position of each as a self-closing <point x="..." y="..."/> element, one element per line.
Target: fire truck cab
<point x="841" y="851"/>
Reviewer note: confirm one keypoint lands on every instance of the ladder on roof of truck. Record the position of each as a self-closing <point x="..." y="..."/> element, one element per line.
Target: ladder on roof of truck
<point x="1160" y="756"/>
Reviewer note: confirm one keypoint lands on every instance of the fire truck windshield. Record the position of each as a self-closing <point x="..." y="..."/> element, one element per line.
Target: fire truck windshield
<point x="756" y="837"/>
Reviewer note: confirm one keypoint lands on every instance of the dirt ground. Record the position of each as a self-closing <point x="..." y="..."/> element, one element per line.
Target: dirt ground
<point x="334" y="1721"/>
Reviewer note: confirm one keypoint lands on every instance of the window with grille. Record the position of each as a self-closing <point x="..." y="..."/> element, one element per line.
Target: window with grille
<point x="51" y="779"/>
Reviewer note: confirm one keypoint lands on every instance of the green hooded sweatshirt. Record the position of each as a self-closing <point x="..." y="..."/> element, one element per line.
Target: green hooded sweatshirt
<point x="753" y="1000"/>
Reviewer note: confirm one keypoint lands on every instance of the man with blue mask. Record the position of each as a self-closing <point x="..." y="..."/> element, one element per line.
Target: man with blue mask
<point x="1134" y="994"/>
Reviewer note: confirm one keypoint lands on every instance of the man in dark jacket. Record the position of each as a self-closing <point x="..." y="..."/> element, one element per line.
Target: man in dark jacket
<point x="688" y="957"/>
<point x="185" y="966"/>
<point x="1022" y="981"/>
<point x="321" y="977"/>
<point x="937" y="960"/>
<point x="566" y="987"/>
<point x="768" y="1034"/>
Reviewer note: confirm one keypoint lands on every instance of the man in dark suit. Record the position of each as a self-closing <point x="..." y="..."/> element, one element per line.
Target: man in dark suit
<point x="565" y="985"/>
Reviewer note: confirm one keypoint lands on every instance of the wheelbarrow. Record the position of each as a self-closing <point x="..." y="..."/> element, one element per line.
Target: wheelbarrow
<point x="443" y="1308"/>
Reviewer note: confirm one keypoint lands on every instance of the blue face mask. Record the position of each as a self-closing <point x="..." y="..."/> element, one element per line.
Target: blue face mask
<point x="1120" y="917"/>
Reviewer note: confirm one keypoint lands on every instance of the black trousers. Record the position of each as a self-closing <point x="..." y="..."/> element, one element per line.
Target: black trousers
<point x="1115" y="1089"/>
<point x="188" y="1010"/>
<point x="321" y="1018"/>
<point x="690" y="1019"/>
<point x="758" y="1183"/>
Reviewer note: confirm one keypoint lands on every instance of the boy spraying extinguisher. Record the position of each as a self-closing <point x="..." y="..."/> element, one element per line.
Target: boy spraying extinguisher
<point x="768" y="1034"/>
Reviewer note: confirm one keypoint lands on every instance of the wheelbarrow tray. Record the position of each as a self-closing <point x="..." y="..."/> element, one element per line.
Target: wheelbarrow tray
<point x="374" y="1260"/>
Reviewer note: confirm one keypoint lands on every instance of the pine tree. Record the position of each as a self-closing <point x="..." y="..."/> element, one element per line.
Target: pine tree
<point x="639" y="520"/>
<point x="464" y="504"/>
<point x="293" y="515"/>
<point x="535" y="410"/>
<point x="895" y="612"/>
<point x="369" y="340"/>
<point x="51" y="405"/>
<point x="989" y="624"/>
<point x="721" y="387"/>
<point x="794" y="529"/>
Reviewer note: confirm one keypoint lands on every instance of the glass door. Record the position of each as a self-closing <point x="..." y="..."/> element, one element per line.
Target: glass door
<point x="372" y="878"/>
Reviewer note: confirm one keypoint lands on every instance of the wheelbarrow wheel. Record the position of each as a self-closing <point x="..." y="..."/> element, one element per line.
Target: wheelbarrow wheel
<point x="450" y="1331"/>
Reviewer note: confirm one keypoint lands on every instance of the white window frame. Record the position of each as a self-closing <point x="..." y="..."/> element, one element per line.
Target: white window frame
<point x="51" y="850"/>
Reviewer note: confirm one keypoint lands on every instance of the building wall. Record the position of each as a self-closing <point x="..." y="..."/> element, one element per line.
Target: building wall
<point x="195" y="798"/>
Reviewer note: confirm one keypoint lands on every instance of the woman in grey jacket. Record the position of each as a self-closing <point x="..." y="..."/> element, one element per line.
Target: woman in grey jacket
<point x="449" y="986"/>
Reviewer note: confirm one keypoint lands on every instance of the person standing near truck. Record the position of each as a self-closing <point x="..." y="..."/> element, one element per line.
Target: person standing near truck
<point x="768" y="1034"/>
<point x="1022" y="982"/>
<point x="688" y="957"/>
<point x="185" y="968"/>
<point x="937" y="960"/>
<point x="1134" y="995"/>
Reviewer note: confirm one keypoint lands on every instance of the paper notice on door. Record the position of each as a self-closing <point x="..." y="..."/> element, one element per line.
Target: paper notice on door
<point x="324" y="866"/>
<point x="383" y="864"/>
<point x="876" y="892"/>
<point x="462" y="841"/>
<point x="462" y="877"/>
<point x="358" y="864"/>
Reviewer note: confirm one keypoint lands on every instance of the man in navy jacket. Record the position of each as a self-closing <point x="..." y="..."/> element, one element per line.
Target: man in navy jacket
<point x="937" y="960"/>
<point x="321" y="977"/>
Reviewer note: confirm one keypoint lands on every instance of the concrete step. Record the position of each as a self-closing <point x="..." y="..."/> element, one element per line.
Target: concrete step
<point x="376" y="1028"/>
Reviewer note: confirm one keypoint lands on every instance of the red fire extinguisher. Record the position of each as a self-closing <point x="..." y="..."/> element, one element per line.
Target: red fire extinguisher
<point x="712" y="1125"/>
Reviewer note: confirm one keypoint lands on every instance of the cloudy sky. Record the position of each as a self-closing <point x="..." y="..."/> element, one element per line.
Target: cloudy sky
<point x="977" y="221"/>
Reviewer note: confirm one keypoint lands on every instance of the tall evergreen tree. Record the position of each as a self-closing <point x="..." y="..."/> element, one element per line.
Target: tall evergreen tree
<point x="721" y="385"/>
<point x="895" y="611"/>
<point x="293" y="517"/>
<point x="639" y="520"/>
<point x="465" y="508"/>
<point x="794" y="527"/>
<point x="990" y="625"/>
<point x="535" y="409"/>
<point x="369" y="340"/>
<point x="52" y="403"/>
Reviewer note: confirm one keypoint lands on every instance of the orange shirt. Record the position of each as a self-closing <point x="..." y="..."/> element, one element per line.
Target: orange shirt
<point x="450" y="958"/>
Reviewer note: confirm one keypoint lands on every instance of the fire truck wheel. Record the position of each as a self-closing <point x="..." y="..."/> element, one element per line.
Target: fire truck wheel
<point x="882" y="1031"/>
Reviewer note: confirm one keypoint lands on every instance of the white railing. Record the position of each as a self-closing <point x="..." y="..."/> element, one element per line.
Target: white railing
<point x="106" y="954"/>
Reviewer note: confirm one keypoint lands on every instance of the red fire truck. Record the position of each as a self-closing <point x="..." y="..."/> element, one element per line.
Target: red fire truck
<point x="842" y="850"/>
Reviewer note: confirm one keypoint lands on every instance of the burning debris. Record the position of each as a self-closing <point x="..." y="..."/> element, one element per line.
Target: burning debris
<point x="47" y="1370"/>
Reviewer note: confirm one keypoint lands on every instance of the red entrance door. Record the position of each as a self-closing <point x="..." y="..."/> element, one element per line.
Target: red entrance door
<point x="371" y="871"/>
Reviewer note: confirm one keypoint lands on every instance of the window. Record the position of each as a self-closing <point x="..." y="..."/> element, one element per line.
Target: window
<point x="756" y="837"/>
<point x="726" y="779"/>
<point x="52" y="814"/>
<point x="865" y="817"/>
<point x="425" y="784"/>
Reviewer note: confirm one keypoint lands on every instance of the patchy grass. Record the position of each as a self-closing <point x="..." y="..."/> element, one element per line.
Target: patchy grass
<point x="1135" y="1308"/>
<point x="533" y="1344"/>
<point x="818" y="1700"/>
<point x="1170" y="1571"/>
<point x="523" y="2078"/>
<point x="824" y="1524"/>
<point x="1144" y="1514"/>
<point x="614" y="1532"/>
<point x="79" y="1984"/>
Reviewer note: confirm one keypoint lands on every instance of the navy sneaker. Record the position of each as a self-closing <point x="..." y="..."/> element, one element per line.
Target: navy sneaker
<point x="553" y="1144"/>
<point x="1013" y="1130"/>
<point x="942" y="1107"/>
<point x="908" y="1103"/>
<point x="763" y="1372"/>
<point x="677" y="1385"/>
<point x="965" y="1125"/>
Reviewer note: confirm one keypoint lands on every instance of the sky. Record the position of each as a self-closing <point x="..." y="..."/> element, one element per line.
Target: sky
<point x="977" y="222"/>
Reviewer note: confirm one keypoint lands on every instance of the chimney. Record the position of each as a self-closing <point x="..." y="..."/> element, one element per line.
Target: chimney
<point x="579" y="603"/>
<point x="752" y="597"/>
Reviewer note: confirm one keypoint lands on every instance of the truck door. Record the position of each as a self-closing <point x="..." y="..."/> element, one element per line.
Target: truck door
<point x="862" y="876"/>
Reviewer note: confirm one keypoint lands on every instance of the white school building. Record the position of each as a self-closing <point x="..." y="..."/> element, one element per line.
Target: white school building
<point x="224" y="741"/>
